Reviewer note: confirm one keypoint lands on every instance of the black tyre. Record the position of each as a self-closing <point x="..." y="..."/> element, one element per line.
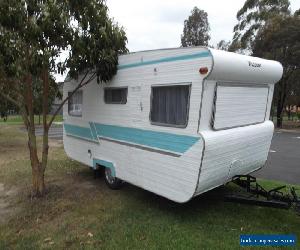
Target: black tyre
<point x="111" y="181"/>
<point x="98" y="172"/>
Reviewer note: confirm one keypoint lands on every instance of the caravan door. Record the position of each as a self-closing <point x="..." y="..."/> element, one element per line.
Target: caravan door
<point x="136" y="105"/>
<point x="135" y="113"/>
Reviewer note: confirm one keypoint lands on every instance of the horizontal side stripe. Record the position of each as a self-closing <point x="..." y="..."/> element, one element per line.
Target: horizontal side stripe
<point x="142" y="147"/>
<point x="82" y="138"/>
<point x="136" y="137"/>
<point x="161" y="140"/>
<point x="166" y="59"/>
<point x="80" y="132"/>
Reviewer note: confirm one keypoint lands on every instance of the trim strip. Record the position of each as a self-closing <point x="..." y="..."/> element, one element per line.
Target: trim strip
<point x="141" y="147"/>
<point x="80" y="132"/>
<point x="82" y="138"/>
<point x="166" y="59"/>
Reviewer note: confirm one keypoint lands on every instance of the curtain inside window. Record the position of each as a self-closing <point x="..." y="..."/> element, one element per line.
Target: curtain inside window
<point x="75" y="104"/>
<point x="170" y="105"/>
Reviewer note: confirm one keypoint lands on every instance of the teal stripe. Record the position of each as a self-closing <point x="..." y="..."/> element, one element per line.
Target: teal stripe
<point x="93" y="131"/>
<point x="166" y="59"/>
<point x="165" y="141"/>
<point x="160" y="140"/>
<point x="80" y="132"/>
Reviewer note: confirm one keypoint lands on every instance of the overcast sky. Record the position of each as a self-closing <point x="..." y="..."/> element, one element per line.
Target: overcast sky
<point x="154" y="24"/>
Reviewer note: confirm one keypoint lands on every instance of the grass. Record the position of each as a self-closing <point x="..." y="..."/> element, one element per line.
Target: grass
<point x="292" y="123"/>
<point x="17" y="119"/>
<point x="80" y="212"/>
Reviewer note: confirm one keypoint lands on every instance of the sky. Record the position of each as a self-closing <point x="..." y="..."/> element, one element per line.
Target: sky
<point x="156" y="24"/>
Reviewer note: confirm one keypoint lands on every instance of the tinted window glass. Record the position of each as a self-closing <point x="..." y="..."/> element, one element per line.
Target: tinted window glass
<point x="115" y="95"/>
<point x="170" y="105"/>
<point x="75" y="104"/>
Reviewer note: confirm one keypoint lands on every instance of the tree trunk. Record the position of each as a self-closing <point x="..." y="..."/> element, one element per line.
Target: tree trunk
<point x="281" y="100"/>
<point x="279" y="115"/>
<point x="279" y="109"/>
<point x="272" y="112"/>
<point x="38" y="182"/>
<point x="45" y="113"/>
<point x="38" y="185"/>
<point x="289" y="112"/>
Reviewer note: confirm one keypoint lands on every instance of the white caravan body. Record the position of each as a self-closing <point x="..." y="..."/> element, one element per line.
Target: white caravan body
<point x="227" y="130"/>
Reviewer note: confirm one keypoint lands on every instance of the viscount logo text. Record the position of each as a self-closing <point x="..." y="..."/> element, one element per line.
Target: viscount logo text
<point x="253" y="64"/>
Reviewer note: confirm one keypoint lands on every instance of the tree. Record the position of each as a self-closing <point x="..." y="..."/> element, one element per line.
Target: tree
<point x="5" y="105"/>
<point x="5" y="108"/>
<point x="32" y="36"/>
<point x="293" y="93"/>
<point x="38" y="95"/>
<point x="252" y="17"/>
<point x="279" y="40"/>
<point x="223" y="45"/>
<point x="196" y="29"/>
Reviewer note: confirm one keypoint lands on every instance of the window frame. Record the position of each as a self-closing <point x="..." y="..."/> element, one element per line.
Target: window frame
<point x="189" y="85"/>
<point x="78" y="91"/>
<point x="110" y="88"/>
<point x="237" y="84"/>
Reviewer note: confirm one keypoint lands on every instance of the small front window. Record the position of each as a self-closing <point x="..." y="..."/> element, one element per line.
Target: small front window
<point x="170" y="105"/>
<point x="75" y="104"/>
<point x="115" y="95"/>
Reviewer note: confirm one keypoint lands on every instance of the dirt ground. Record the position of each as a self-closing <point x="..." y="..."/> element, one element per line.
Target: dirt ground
<point x="8" y="149"/>
<point x="60" y="187"/>
<point x="6" y="209"/>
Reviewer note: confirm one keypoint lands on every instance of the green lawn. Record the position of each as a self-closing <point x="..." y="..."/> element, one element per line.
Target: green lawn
<point x="293" y="123"/>
<point x="80" y="212"/>
<point x="17" y="119"/>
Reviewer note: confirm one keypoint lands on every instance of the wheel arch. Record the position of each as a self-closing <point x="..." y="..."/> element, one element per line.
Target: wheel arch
<point x="106" y="164"/>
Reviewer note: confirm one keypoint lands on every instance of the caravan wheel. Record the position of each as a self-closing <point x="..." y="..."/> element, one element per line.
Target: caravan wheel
<point x="111" y="181"/>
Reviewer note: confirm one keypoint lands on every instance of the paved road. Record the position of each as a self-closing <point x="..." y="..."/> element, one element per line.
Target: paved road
<point x="284" y="158"/>
<point x="55" y="132"/>
<point x="283" y="162"/>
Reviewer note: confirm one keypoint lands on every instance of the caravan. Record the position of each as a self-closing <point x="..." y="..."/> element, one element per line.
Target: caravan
<point x="176" y="122"/>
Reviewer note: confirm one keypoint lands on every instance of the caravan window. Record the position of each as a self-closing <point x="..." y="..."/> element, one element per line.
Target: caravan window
<point x="170" y="105"/>
<point x="75" y="104"/>
<point x="115" y="95"/>
<point x="238" y="105"/>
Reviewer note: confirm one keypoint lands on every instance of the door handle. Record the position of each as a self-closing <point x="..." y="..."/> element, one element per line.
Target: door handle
<point x="141" y="106"/>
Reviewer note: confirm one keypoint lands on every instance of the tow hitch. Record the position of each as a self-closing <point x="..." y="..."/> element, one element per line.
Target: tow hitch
<point x="257" y="195"/>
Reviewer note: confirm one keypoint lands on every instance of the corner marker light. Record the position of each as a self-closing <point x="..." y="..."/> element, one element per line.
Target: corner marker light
<point x="203" y="70"/>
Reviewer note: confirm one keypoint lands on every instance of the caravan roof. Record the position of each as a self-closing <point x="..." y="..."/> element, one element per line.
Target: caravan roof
<point x="225" y="66"/>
